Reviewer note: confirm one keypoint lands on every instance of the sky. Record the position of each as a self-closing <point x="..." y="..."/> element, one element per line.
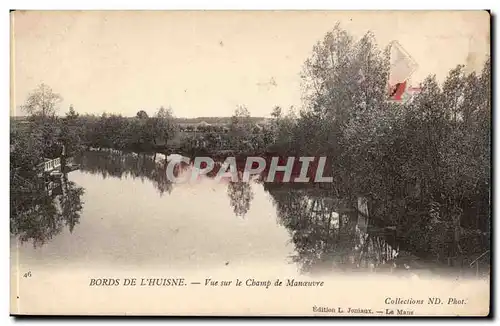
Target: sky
<point x="205" y="63"/>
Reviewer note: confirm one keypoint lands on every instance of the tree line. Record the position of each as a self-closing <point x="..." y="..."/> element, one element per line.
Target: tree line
<point x="142" y="133"/>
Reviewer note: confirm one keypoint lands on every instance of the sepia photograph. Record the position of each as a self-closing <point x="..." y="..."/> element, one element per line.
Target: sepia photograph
<point x="250" y="163"/>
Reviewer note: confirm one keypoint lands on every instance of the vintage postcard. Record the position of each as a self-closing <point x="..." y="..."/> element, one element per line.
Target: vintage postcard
<point x="250" y="163"/>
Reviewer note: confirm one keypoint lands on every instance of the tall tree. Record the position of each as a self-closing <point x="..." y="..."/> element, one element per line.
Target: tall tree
<point x="142" y="114"/>
<point x="71" y="131"/>
<point x="342" y="80"/>
<point x="42" y="102"/>
<point x="240" y="127"/>
<point x="164" y="126"/>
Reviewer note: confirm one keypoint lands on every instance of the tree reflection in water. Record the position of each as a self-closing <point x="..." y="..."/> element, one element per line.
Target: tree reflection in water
<point x="240" y="197"/>
<point x="40" y="210"/>
<point x="118" y="164"/>
<point x="327" y="233"/>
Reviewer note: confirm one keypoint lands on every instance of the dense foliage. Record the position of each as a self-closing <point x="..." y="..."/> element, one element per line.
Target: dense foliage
<point x="424" y="164"/>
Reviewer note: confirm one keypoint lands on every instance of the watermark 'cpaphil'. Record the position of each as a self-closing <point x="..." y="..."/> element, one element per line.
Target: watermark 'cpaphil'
<point x="269" y="169"/>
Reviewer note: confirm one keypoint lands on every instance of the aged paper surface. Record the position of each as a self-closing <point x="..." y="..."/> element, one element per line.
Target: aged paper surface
<point x="272" y="163"/>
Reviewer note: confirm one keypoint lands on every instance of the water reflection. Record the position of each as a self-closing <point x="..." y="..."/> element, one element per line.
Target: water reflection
<point x="117" y="164"/>
<point x="153" y="167"/>
<point x="41" y="208"/>
<point x="240" y="197"/>
<point x="327" y="232"/>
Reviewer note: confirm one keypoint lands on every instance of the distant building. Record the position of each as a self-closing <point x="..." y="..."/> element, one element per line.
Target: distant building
<point x="203" y="124"/>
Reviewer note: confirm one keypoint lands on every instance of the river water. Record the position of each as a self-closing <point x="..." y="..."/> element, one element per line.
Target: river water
<point x="120" y="213"/>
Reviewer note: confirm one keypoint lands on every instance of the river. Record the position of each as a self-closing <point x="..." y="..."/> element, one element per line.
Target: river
<point x="120" y="213"/>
